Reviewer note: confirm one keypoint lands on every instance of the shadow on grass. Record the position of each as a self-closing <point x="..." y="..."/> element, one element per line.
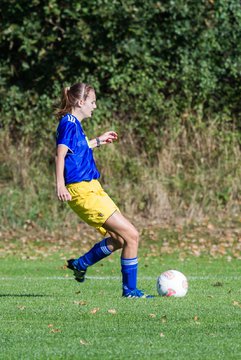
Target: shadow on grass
<point x="23" y="295"/>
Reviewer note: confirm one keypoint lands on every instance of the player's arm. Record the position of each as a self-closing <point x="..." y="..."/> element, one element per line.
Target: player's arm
<point x="106" y="138"/>
<point x="61" y="190"/>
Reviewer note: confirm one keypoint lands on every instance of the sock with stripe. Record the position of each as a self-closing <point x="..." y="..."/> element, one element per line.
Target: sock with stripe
<point x="129" y="269"/>
<point x="98" y="252"/>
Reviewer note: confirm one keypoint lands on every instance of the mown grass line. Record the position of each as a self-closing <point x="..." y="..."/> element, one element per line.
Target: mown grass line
<point x="65" y="320"/>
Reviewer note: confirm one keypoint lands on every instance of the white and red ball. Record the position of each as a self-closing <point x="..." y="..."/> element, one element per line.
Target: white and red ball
<point x="172" y="283"/>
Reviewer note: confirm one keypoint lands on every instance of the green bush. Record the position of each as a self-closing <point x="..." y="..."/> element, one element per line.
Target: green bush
<point x="167" y="77"/>
<point x="150" y="61"/>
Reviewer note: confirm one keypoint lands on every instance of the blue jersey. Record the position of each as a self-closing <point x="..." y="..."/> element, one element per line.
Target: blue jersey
<point x="79" y="161"/>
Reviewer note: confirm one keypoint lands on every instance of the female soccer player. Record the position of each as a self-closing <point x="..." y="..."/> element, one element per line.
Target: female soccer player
<point x="77" y="182"/>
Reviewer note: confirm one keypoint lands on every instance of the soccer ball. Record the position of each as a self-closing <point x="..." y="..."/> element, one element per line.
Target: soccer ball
<point x="172" y="283"/>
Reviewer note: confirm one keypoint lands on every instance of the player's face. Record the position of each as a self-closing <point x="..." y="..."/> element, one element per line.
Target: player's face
<point x="89" y="105"/>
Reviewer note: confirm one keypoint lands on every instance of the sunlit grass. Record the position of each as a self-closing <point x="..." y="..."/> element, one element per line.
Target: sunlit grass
<point x="46" y="315"/>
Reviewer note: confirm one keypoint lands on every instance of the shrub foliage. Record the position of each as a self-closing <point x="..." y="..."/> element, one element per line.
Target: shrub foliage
<point x="148" y="60"/>
<point x="168" y="79"/>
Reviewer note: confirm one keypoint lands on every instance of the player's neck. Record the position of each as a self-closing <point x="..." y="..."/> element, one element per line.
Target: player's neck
<point x="77" y="113"/>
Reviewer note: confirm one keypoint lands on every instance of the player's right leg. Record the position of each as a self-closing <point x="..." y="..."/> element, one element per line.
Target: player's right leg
<point x="118" y="225"/>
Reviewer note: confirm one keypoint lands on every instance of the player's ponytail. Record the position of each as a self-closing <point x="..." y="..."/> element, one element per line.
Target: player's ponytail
<point x="70" y="97"/>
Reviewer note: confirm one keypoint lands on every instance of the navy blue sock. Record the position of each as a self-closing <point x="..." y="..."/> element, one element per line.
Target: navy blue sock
<point x="98" y="252"/>
<point x="129" y="269"/>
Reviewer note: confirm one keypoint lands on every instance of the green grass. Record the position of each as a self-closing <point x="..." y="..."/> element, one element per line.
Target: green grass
<point x="44" y="314"/>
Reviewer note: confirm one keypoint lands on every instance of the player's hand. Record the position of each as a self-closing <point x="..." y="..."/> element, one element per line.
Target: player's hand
<point x="63" y="194"/>
<point x="108" y="137"/>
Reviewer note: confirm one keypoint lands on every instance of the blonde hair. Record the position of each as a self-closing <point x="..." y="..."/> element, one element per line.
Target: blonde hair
<point x="70" y="97"/>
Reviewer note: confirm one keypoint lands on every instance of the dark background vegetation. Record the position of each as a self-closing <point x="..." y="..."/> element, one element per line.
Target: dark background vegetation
<point x="168" y="78"/>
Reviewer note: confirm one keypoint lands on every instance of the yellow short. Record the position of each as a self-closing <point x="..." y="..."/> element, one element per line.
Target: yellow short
<point x="91" y="203"/>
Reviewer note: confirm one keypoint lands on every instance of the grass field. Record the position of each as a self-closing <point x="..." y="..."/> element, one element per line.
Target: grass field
<point x="45" y="314"/>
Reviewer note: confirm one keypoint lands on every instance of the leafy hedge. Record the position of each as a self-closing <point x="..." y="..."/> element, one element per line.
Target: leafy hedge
<point x="150" y="61"/>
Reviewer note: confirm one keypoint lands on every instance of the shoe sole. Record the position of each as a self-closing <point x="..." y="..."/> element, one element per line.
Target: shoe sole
<point x="76" y="272"/>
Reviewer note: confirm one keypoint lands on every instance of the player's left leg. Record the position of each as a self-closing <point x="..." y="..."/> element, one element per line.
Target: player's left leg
<point x="98" y="252"/>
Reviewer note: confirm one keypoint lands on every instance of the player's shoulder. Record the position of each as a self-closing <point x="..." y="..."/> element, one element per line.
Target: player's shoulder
<point x="68" y="118"/>
<point x="68" y="121"/>
<point x="71" y="118"/>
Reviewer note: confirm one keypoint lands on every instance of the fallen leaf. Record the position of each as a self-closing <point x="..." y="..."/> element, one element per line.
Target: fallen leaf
<point x="218" y="283"/>
<point x="94" y="311"/>
<point x="162" y="335"/>
<point x="210" y="227"/>
<point x="196" y="320"/>
<point x="83" y="342"/>
<point x="50" y="325"/>
<point x="236" y="303"/>
<point x="112" y="311"/>
<point x="81" y="303"/>
<point x="21" y="307"/>
<point x="164" y="319"/>
<point x="55" y="331"/>
<point x="152" y="315"/>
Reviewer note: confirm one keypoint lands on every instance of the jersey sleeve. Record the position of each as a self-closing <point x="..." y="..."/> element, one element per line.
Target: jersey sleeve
<point x="66" y="135"/>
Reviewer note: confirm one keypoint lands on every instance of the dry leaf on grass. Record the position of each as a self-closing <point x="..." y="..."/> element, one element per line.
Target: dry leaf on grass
<point x="83" y="342"/>
<point x="81" y="303"/>
<point x="196" y="318"/>
<point x="152" y="315"/>
<point x="112" y="311"/>
<point x="55" y="331"/>
<point x="164" y="319"/>
<point x="236" y="303"/>
<point x="218" y="283"/>
<point x="94" y="311"/>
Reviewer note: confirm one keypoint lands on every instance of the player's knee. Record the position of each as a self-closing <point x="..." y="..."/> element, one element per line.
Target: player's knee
<point x="133" y="238"/>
